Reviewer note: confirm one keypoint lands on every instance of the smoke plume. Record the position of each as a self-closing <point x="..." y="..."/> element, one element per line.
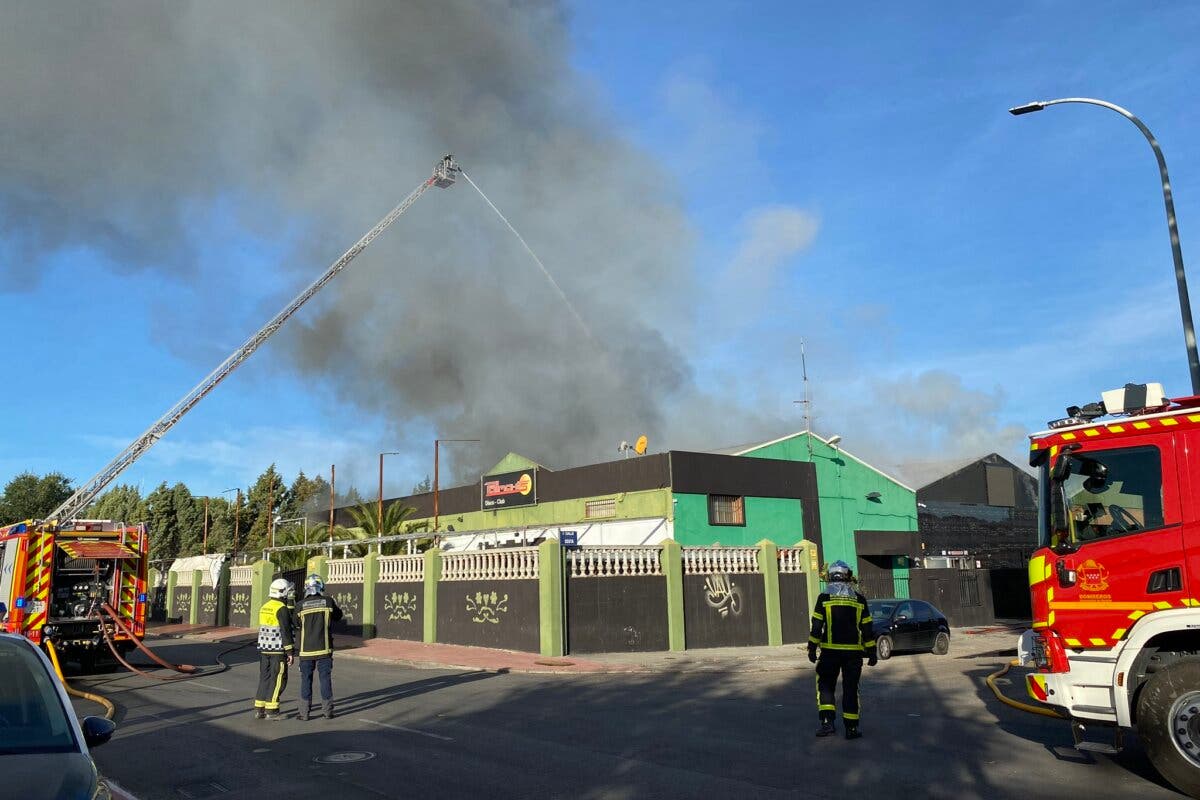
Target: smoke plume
<point x="126" y="122"/>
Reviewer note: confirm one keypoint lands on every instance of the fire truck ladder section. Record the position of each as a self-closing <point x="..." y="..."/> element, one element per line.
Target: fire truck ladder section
<point x="444" y="175"/>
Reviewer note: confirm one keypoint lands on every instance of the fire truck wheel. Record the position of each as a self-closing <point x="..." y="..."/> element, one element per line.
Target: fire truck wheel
<point x="1168" y="723"/>
<point x="883" y="648"/>
<point x="941" y="645"/>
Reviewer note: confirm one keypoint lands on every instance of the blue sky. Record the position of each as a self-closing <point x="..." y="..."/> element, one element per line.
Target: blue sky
<point x="850" y="178"/>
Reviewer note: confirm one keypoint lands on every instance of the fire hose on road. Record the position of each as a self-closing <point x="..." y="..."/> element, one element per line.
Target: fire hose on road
<point x="1008" y="701"/>
<point x="186" y="670"/>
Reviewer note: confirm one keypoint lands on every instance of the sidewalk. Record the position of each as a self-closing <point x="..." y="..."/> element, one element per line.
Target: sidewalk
<point x="966" y="643"/>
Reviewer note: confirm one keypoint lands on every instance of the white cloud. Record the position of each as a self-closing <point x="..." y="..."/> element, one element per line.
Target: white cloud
<point x="772" y="236"/>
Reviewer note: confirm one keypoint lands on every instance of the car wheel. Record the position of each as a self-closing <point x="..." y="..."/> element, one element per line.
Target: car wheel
<point x="1168" y="723"/>
<point x="941" y="645"/>
<point x="883" y="648"/>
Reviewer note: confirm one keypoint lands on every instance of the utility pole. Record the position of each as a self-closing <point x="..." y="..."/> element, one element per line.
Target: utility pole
<point x="806" y="402"/>
<point x="204" y="547"/>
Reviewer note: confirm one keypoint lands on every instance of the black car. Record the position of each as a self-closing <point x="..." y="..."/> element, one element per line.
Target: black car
<point x="43" y="748"/>
<point x="902" y="624"/>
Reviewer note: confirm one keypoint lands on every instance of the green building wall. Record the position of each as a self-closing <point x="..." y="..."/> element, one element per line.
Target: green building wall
<point x="843" y="483"/>
<point x="775" y="519"/>
<point x="629" y="505"/>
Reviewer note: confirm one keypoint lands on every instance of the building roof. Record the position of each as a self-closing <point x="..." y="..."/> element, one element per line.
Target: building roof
<point x="741" y="450"/>
<point x="991" y="459"/>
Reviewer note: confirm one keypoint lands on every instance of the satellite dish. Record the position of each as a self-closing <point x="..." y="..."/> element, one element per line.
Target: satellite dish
<point x="640" y="446"/>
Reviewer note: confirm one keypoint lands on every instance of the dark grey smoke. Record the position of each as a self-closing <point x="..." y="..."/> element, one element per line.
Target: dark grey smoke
<point x="123" y="122"/>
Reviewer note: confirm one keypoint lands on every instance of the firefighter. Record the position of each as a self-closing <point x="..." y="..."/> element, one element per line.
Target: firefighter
<point x="275" y="649"/>
<point x="841" y="627"/>
<point x="316" y="614"/>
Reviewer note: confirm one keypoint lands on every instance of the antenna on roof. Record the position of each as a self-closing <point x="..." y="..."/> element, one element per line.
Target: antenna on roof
<point x="806" y="402"/>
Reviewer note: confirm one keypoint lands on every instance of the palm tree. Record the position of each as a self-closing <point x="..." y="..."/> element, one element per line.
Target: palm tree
<point x="366" y="517"/>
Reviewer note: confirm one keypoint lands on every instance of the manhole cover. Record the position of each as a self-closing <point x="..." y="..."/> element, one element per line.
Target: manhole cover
<point x="345" y="758"/>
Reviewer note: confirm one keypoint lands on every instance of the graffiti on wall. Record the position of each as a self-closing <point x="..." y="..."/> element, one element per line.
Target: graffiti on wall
<point x="239" y="602"/>
<point x="487" y="607"/>
<point x="348" y="603"/>
<point x="400" y="606"/>
<point x="722" y="594"/>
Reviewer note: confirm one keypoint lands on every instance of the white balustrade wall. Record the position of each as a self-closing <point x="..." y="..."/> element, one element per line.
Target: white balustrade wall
<point x="241" y="576"/>
<point x="791" y="560"/>
<point x="346" y="570"/>
<point x="396" y="569"/>
<point x="722" y="560"/>
<point x="513" y="563"/>
<point x="603" y="562"/>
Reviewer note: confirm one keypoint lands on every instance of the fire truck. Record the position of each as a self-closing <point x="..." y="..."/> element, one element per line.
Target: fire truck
<point x="71" y="583"/>
<point x="1115" y="581"/>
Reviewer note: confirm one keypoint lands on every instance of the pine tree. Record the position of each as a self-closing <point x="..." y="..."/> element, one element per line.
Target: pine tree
<point x="266" y="497"/>
<point x="189" y="517"/>
<point x="122" y="503"/>
<point x="163" y="524"/>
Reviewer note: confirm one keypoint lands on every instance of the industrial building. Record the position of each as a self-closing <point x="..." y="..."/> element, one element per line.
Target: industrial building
<point x="796" y="487"/>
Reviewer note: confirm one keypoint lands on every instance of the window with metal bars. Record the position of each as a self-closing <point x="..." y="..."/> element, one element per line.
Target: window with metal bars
<point x="597" y="509"/>
<point x="726" y="509"/>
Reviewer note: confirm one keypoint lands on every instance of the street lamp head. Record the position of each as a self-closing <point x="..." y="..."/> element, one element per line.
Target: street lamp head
<point x="1028" y="108"/>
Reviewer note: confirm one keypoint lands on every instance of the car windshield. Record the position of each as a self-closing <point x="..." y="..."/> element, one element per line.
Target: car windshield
<point x="32" y="717"/>
<point x="881" y="609"/>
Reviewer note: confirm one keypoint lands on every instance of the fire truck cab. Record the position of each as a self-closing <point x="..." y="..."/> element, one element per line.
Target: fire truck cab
<point x="1115" y="581"/>
<point x="55" y="580"/>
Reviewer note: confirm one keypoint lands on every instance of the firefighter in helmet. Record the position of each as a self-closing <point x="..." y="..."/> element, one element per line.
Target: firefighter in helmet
<point x="841" y="627"/>
<point x="316" y="613"/>
<point x="275" y="649"/>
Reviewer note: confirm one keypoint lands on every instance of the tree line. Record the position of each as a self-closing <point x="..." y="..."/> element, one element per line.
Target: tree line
<point x="183" y="524"/>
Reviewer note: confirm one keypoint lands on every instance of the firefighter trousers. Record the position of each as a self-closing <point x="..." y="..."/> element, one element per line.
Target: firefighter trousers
<point x="849" y="664"/>
<point x="272" y="680"/>
<point x="324" y="669"/>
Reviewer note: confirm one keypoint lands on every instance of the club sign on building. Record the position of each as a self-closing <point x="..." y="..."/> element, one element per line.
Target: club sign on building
<point x="508" y="490"/>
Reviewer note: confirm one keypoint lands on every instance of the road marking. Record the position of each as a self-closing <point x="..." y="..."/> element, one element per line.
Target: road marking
<point x="406" y="730"/>
<point x="209" y="686"/>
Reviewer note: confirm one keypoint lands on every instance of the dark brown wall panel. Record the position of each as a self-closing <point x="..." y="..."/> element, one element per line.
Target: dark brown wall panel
<point x="210" y="606"/>
<point x="617" y="614"/>
<point x="241" y="615"/>
<point x="724" y="610"/>
<point x="793" y="607"/>
<point x="183" y="603"/>
<point x="400" y="610"/>
<point x="349" y="597"/>
<point x="499" y="613"/>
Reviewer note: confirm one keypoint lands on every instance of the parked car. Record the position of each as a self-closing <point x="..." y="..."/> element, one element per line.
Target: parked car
<point x="903" y="624"/>
<point x="43" y="747"/>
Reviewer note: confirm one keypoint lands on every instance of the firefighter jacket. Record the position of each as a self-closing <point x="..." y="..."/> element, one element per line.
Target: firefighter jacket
<point x="275" y="628"/>
<point x="317" y="613"/>
<point x="842" y="621"/>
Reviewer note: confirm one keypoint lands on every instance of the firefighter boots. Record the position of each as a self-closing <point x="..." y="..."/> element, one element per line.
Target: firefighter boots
<point x="852" y="731"/>
<point x="826" y="729"/>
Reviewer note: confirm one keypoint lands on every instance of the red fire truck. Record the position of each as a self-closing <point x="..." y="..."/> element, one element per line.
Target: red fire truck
<point x="1115" y="581"/>
<point x="55" y="581"/>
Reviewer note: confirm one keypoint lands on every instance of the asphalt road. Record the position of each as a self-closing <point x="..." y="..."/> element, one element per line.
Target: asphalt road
<point x="932" y="730"/>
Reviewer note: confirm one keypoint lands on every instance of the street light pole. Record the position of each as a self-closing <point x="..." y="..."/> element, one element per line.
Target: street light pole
<point x="437" y="442"/>
<point x="204" y="547"/>
<point x="379" y="522"/>
<point x="1185" y="306"/>
<point x="237" y="509"/>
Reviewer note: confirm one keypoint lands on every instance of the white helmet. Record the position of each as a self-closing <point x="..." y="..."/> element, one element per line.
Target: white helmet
<point x="281" y="589"/>
<point x="839" y="571"/>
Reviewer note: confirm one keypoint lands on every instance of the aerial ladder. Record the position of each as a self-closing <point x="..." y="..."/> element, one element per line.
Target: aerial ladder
<point x="58" y="574"/>
<point x="443" y="176"/>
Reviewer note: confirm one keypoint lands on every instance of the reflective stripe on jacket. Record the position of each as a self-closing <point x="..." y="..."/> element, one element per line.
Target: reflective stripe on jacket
<point x="317" y="613"/>
<point x="842" y="623"/>
<point x="275" y="627"/>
